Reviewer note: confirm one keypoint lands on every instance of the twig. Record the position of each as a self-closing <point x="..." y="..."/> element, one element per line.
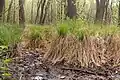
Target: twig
<point x="86" y="71"/>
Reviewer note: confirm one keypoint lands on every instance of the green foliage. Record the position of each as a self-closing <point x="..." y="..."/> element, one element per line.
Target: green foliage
<point x="4" y="61"/>
<point x="39" y="32"/>
<point x="62" y="28"/>
<point x="80" y="34"/>
<point x="78" y="28"/>
<point x="9" y="34"/>
<point x="81" y="29"/>
<point x="35" y="33"/>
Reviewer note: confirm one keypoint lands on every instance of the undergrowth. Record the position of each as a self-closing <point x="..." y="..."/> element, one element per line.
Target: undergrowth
<point x="81" y="29"/>
<point x="76" y="42"/>
<point x="9" y="34"/>
<point x="33" y="34"/>
<point x="69" y="27"/>
<point x="4" y="62"/>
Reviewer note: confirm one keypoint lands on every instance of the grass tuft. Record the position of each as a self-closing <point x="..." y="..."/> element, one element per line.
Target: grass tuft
<point x="9" y="34"/>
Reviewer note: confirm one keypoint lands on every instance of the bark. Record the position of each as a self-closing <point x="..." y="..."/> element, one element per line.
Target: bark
<point x="21" y="13"/>
<point x="38" y="8"/>
<point x="9" y="11"/>
<point x="100" y="10"/>
<point x="2" y="4"/>
<point x="42" y="12"/>
<point x="108" y="12"/>
<point x="71" y="9"/>
<point x="3" y="15"/>
<point x="14" y="13"/>
<point x="119" y="14"/>
<point x="32" y="12"/>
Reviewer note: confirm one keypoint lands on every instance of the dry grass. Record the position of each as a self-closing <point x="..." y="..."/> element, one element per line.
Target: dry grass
<point x="77" y="46"/>
<point x="37" y="38"/>
<point x="92" y="51"/>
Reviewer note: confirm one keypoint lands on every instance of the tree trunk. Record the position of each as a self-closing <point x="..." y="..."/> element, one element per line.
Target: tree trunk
<point x="42" y="12"/>
<point x="46" y="9"/>
<point x="32" y="12"/>
<point x="9" y="11"/>
<point x="100" y="10"/>
<point x="38" y="8"/>
<point x="2" y="4"/>
<point x="14" y="13"/>
<point x="21" y="13"/>
<point x="119" y="14"/>
<point x="108" y="12"/>
<point x="71" y="9"/>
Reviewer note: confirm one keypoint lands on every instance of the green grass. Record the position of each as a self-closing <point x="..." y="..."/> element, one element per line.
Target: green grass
<point x="81" y="29"/>
<point x="9" y="34"/>
<point x="34" y="32"/>
<point x="70" y="27"/>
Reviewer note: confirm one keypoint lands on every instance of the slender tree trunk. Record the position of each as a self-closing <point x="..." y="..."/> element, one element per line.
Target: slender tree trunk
<point x="97" y="11"/>
<point x="38" y="8"/>
<point x="2" y="4"/>
<point x="21" y="13"/>
<point x="46" y="10"/>
<point x="119" y="15"/>
<point x="32" y="12"/>
<point x="51" y="13"/>
<point x="14" y="12"/>
<point x="100" y="10"/>
<point x="42" y="12"/>
<point x="4" y="14"/>
<point x="108" y="12"/>
<point x="9" y="11"/>
<point x="71" y="9"/>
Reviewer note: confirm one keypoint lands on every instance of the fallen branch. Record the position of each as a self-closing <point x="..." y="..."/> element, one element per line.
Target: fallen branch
<point x="105" y="73"/>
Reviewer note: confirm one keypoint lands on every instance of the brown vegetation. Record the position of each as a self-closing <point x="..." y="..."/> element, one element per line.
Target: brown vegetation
<point x="90" y="52"/>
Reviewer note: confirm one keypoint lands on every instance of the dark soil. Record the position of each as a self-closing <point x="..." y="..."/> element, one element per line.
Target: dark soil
<point x="31" y="66"/>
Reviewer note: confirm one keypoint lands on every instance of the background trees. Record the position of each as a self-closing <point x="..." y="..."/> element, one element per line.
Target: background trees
<point x="52" y="11"/>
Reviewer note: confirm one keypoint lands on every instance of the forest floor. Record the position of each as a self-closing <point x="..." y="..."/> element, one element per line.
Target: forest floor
<point x="32" y="66"/>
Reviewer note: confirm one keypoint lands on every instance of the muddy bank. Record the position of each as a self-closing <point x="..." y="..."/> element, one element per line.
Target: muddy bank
<point x="31" y="66"/>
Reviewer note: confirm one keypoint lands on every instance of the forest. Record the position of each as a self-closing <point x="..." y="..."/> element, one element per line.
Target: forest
<point x="59" y="39"/>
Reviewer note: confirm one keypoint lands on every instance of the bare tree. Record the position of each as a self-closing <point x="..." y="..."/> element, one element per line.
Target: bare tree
<point x="101" y="10"/>
<point x="32" y="12"/>
<point x="21" y="13"/>
<point x="119" y="14"/>
<point x="46" y="11"/>
<point x="9" y="11"/>
<point x="38" y="9"/>
<point x="14" y="14"/>
<point x="108" y="12"/>
<point x="42" y="11"/>
<point x="71" y="9"/>
<point x="2" y="4"/>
